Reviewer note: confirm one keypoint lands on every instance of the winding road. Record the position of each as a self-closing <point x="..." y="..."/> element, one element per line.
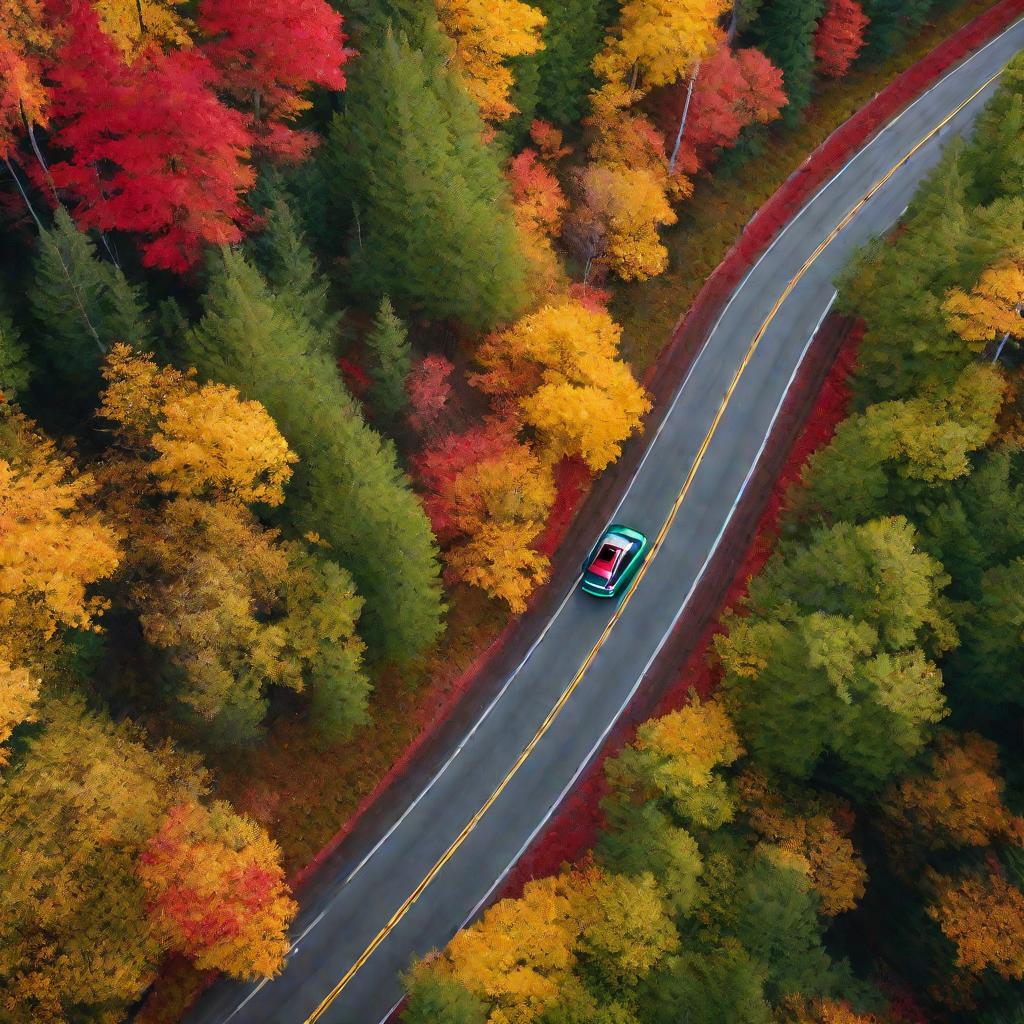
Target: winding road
<point x="426" y="870"/>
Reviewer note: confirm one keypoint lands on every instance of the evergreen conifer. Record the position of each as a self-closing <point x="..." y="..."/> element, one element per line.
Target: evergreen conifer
<point x="347" y="485"/>
<point x="785" y="32"/>
<point x="392" y="360"/>
<point x="14" y="367"/>
<point x="420" y="196"/>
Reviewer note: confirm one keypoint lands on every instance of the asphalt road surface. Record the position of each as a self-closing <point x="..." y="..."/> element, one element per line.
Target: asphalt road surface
<point x="362" y="926"/>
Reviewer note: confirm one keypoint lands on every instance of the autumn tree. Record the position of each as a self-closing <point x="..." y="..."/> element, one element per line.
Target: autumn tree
<point x="832" y="660"/>
<point x="810" y="828"/>
<point x="136" y="24"/>
<point x="561" y="366"/>
<point x="656" y="42"/>
<point x="430" y="389"/>
<point x="235" y="609"/>
<point x="840" y="37"/>
<point x="410" y="181"/>
<point x="215" y="890"/>
<point x="983" y="916"/>
<point x="27" y="39"/>
<point x="79" y="809"/>
<point x="485" y="36"/>
<point x="347" y="485"/>
<point x="54" y="547"/>
<point x="880" y="460"/>
<point x="954" y="801"/>
<point x="785" y="32"/>
<point x="992" y="308"/>
<point x="388" y="341"/>
<point x="81" y="306"/>
<point x="733" y="89"/>
<point x="268" y="54"/>
<point x="151" y="149"/>
<point x="675" y="759"/>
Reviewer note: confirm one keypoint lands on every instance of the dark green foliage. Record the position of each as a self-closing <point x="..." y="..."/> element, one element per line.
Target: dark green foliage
<point x="388" y="342"/>
<point x="290" y="268"/>
<point x="572" y="37"/>
<point x="347" y="485"/>
<point x="785" y="31"/>
<point x="420" y="198"/>
<point x="707" y="986"/>
<point x="641" y="837"/>
<point x="779" y="927"/>
<point x="14" y="366"/>
<point x="436" y="1000"/>
<point x="995" y="159"/>
<point x="891" y="23"/>
<point x="81" y="307"/>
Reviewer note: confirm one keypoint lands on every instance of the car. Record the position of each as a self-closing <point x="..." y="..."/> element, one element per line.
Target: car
<point x="614" y="561"/>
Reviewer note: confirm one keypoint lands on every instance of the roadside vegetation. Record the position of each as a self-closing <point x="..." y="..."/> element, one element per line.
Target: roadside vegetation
<point x="835" y="835"/>
<point x="306" y="343"/>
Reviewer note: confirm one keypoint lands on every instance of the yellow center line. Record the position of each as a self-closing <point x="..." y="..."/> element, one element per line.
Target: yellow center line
<point x="549" y="719"/>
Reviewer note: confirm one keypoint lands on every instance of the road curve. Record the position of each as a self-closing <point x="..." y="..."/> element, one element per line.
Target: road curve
<point x="431" y="868"/>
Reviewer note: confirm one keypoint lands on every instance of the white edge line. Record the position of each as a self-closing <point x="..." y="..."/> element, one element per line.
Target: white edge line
<point x="515" y="672"/>
<point x="661" y="643"/>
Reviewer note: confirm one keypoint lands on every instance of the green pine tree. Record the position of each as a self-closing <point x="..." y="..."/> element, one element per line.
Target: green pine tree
<point x="287" y="263"/>
<point x="388" y="341"/>
<point x="437" y="1000"/>
<point x="347" y="485"/>
<point x="14" y="366"/>
<point x="891" y="23"/>
<point x="81" y="306"/>
<point x="785" y="31"/>
<point x="419" y="195"/>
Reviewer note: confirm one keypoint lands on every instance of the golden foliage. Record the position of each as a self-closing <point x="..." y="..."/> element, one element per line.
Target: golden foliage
<point x="134" y="24"/>
<point x="656" y="42"/>
<point x="834" y="867"/>
<point x="52" y="547"/>
<point x="486" y="33"/>
<point x="500" y="505"/>
<point x="206" y="439"/>
<point x="561" y="365"/>
<point x="25" y="38"/>
<point x="19" y="691"/>
<point x="956" y="801"/>
<point x="992" y="307"/>
<point x="984" y="917"/>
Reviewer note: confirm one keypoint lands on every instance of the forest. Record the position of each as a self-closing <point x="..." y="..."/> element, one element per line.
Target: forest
<point x="835" y="836"/>
<point x="305" y="309"/>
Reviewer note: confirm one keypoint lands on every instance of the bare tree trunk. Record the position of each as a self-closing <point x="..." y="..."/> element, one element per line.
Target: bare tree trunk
<point x="142" y="20"/>
<point x="682" y="120"/>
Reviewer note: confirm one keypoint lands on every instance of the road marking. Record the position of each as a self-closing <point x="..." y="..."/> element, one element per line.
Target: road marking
<point x="563" y="699"/>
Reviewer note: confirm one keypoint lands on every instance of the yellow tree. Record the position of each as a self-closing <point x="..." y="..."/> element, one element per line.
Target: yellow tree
<point x="486" y="34"/>
<point x="656" y="42"/>
<point x="991" y="309"/>
<point x="53" y="547"/>
<point x="133" y="24"/>
<point x="77" y="808"/>
<point x="560" y="364"/>
<point x="520" y="954"/>
<point x="500" y="505"/>
<point x="983" y="916"/>
<point x="234" y="608"/>
<point x="215" y="890"/>
<point x="19" y="691"/>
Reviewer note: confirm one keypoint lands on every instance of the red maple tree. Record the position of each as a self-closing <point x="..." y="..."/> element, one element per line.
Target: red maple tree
<point x="152" y="149"/>
<point x="734" y="88"/>
<point x="840" y="37"/>
<point x="267" y="53"/>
